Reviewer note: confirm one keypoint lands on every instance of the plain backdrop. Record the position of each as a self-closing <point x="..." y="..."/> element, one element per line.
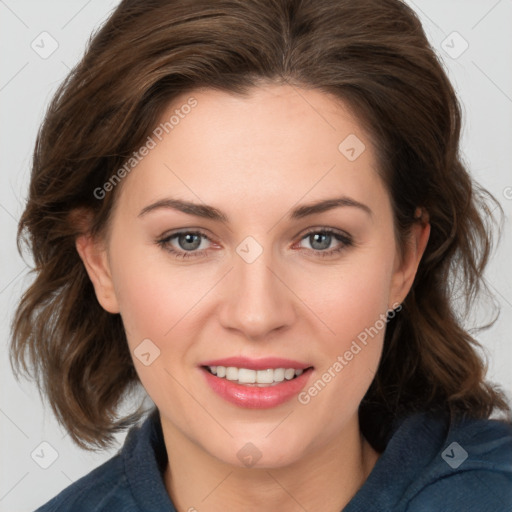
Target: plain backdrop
<point x="473" y="38"/>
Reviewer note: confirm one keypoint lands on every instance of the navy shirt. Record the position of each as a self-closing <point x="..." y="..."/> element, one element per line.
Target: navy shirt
<point x="427" y="466"/>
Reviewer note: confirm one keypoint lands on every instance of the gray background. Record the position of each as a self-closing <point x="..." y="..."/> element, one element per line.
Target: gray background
<point x="481" y="73"/>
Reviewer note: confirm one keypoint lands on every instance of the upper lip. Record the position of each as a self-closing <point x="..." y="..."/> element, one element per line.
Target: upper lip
<point x="257" y="364"/>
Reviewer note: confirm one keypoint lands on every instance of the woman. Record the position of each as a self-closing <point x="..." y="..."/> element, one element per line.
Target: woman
<point x="257" y="210"/>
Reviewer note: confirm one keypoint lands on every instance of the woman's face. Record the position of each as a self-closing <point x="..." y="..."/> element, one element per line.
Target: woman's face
<point x="289" y="253"/>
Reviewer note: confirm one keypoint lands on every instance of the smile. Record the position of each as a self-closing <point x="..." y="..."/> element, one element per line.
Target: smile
<point x="260" y="378"/>
<point x="256" y="383"/>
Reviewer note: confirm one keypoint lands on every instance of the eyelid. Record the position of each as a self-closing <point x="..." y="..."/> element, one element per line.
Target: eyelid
<point x="323" y="229"/>
<point x="164" y="242"/>
<point x="185" y="231"/>
<point x="343" y="237"/>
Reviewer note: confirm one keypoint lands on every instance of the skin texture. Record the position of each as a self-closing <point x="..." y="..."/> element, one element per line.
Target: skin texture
<point x="255" y="158"/>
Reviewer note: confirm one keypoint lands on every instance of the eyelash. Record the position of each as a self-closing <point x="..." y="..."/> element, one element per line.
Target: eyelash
<point x="346" y="241"/>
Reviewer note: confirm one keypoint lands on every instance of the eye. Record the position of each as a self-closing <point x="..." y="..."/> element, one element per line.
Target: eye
<point x="186" y="244"/>
<point x="189" y="244"/>
<point x="321" y="239"/>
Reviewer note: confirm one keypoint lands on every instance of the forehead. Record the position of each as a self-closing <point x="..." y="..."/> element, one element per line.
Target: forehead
<point x="277" y="144"/>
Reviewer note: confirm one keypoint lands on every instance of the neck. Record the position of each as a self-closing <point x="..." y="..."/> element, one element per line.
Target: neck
<point x="325" y="478"/>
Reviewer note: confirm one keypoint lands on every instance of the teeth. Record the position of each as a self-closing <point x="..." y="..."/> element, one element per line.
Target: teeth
<point x="231" y="373"/>
<point x="264" y="376"/>
<point x="279" y="374"/>
<point x="257" y="377"/>
<point x="245" y="376"/>
<point x="289" y="373"/>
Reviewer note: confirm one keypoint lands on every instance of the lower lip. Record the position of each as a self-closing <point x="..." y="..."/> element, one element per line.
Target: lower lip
<point x="254" y="397"/>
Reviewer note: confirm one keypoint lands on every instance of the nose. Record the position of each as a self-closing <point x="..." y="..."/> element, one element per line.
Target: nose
<point x="257" y="300"/>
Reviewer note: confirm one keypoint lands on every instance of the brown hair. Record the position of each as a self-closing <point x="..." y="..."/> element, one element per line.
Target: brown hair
<point x="371" y="54"/>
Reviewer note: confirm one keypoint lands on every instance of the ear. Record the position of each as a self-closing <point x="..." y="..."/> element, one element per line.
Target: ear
<point x="95" y="258"/>
<point x="407" y="267"/>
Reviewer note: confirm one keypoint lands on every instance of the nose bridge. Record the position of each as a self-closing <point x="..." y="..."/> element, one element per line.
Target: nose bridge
<point x="257" y="301"/>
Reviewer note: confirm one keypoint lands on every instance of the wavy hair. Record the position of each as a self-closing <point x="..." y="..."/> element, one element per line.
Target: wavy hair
<point x="371" y="54"/>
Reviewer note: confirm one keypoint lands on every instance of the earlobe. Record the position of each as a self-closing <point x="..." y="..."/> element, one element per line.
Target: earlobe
<point x="416" y="245"/>
<point x="94" y="257"/>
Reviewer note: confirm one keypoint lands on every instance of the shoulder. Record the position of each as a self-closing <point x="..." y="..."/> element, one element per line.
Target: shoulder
<point x="109" y="487"/>
<point x="131" y="481"/>
<point x="468" y="466"/>
<point x="103" y="489"/>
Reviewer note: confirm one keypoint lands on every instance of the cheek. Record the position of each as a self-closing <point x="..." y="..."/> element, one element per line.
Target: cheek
<point x="349" y="300"/>
<point x="356" y="305"/>
<point x="351" y="304"/>
<point x="356" y="316"/>
<point x="145" y="308"/>
<point x="349" y="351"/>
<point x="153" y="295"/>
<point x="156" y="305"/>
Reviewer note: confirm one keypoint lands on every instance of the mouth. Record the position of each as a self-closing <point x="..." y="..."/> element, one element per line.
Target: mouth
<point x="258" y="378"/>
<point x="256" y="384"/>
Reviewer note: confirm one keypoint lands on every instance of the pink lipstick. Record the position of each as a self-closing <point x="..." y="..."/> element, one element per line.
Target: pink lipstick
<point x="256" y="383"/>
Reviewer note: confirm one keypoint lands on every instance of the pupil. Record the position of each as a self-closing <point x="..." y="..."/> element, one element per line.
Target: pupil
<point x="316" y="236"/>
<point x="189" y="239"/>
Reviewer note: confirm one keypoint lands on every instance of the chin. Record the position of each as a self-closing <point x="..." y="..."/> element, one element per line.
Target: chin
<point x="260" y="452"/>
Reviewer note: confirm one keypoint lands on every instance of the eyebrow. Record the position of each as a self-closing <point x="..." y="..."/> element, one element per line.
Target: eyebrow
<point x="212" y="213"/>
